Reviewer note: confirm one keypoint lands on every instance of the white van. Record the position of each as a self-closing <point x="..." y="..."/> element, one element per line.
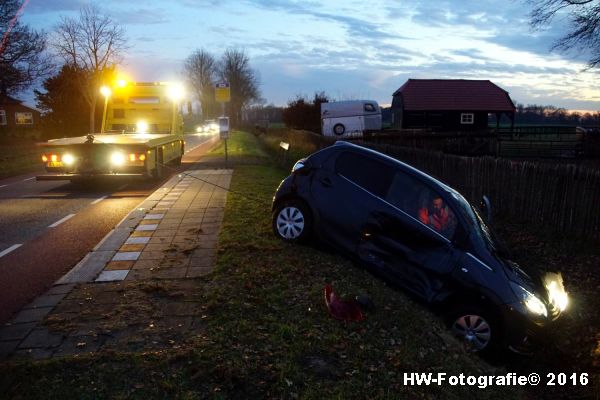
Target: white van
<point x="350" y="118"/>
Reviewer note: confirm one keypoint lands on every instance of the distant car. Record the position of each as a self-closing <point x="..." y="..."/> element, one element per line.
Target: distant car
<point x="211" y="126"/>
<point x="422" y="235"/>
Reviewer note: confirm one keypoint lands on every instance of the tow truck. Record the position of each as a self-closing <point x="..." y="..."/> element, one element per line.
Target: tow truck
<point x="142" y="132"/>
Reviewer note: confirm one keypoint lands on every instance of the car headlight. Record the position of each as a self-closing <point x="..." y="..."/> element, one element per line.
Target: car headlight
<point x="531" y="301"/>
<point x="557" y="294"/>
<point x="117" y="158"/>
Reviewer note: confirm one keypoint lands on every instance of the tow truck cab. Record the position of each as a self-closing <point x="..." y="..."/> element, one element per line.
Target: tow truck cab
<point x="142" y="132"/>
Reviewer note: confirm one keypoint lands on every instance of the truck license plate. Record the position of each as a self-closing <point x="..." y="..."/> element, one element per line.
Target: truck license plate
<point x="52" y="164"/>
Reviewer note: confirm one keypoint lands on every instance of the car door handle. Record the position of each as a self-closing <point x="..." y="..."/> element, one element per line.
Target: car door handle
<point x="326" y="182"/>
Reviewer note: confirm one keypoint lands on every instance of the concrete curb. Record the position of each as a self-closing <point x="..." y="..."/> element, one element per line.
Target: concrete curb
<point x="88" y="269"/>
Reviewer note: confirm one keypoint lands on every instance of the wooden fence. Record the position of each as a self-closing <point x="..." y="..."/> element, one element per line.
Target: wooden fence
<point x="564" y="198"/>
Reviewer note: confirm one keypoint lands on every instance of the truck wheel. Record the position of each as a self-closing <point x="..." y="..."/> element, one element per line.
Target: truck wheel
<point x="158" y="172"/>
<point x="339" y="129"/>
<point x="177" y="161"/>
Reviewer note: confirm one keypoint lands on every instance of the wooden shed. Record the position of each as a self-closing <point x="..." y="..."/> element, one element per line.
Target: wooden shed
<point x="449" y="104"/>
<point x="17" y="118"/>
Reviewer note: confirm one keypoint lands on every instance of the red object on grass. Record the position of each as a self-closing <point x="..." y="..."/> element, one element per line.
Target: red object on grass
<point x="345" y="310"/>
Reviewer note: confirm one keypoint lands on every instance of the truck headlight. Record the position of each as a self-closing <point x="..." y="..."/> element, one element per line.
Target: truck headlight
<point x="531" y="301"/>
<point x="141" y="126"/>
<point x="68" y="159"/>
<point x="117" y="159"/>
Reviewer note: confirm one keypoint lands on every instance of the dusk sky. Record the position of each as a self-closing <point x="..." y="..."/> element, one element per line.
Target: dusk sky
<point x="349" y="49"/>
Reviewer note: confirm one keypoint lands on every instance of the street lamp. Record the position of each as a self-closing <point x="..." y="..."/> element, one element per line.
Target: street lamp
<point x="175" y="93"/>
<point x="105" y="90"/>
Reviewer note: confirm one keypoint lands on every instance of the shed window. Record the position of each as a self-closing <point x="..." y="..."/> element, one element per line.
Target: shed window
<point x="24" y="118"/>
<point x="467" y="118"/>
<point x="2" y="117"/>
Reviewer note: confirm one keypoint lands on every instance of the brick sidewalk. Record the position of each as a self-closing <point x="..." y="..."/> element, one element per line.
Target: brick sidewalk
<point x="131" y="292"/>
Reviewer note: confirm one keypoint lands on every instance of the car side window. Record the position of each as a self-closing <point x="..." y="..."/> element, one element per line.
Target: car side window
<point x="421" y="202"/>
<point x="372" y="175"/>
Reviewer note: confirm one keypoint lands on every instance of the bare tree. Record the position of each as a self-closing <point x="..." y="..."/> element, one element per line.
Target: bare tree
<point x="92" y="43"/>
<point x="22" y="51"/>
<point x="584" y="18"/>
<point x="234" y="68"/>
<point x="200" y="69"/>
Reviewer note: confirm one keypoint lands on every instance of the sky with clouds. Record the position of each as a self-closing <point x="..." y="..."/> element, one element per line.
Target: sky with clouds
<point x="349" y="49"/>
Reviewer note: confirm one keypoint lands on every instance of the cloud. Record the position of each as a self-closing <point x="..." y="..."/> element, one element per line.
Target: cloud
<point x="146" y="39"/>
<point x="354" y="27"/>
<point x="229" y="31"/>
<point x="481" y="14"/>
<point x="142" y="16"/>
<point x="42" y="7"/>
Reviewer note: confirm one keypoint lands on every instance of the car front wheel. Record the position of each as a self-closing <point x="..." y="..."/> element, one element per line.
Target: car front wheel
<point x="292" y="221"/>
<point x="476" y="328"/>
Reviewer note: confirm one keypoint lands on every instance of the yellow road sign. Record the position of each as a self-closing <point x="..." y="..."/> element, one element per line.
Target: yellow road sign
<point x="222" y="92"/>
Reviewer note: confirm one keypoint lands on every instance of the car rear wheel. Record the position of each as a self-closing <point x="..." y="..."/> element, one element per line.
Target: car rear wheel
<point x="476" y="328"/>
<point x="292" y="221"/>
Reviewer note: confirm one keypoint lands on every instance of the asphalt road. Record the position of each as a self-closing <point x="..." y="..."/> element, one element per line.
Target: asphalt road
<point x="46" y="227"/>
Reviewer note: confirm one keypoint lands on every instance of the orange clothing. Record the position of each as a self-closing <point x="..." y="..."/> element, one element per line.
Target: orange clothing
<point x="438" y="221"/>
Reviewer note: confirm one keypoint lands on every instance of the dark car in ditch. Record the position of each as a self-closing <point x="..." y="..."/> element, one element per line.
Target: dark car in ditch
<point x="421" y="235"/>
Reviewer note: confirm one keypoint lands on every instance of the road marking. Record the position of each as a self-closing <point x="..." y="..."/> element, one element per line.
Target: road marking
<point x="28" y="179"/>
<point x="99" y="200"/>
<point x="1" y="186"/>
<point x="194" y="148"/>
<point x="11" y="248"/>
<point x="122" y="186"/>
<point x="60" y="221"/>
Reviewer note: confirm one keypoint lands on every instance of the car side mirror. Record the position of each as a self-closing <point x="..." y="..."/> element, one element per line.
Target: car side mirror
<point x="486" y="209"/>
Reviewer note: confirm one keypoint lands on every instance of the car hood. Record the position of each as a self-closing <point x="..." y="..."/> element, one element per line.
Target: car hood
<point x="544" y="283"/>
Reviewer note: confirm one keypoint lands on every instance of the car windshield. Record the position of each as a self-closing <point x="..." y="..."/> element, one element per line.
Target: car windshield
<point x="477" y="224"/>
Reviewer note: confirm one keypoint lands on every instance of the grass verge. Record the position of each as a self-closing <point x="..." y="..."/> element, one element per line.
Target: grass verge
<point x="18" y="159"/>
<point x="240" y="146"/>
<point x="263" y="330"/>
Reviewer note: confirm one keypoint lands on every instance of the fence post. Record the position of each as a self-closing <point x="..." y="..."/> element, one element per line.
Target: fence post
<point x="285" y="148"/>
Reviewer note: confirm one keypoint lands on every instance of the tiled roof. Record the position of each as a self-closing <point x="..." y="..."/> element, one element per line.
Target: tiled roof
<point x="9" y="100"/>
<point x="454" y="94"/>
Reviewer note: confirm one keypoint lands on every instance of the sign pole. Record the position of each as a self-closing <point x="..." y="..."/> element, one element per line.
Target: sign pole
<point x="223" y="95"/>
<point x="222" y="115"/>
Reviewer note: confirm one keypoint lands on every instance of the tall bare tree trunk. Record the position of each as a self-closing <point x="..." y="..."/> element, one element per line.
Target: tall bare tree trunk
<point x="92" y="115"/>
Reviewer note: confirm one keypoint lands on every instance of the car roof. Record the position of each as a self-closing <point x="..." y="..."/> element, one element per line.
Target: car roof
<point x="343" y="145"/>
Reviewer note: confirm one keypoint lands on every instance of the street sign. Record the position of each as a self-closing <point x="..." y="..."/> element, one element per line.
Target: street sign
<point x="224" y="127"/>
<point x="222" y="92"/>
